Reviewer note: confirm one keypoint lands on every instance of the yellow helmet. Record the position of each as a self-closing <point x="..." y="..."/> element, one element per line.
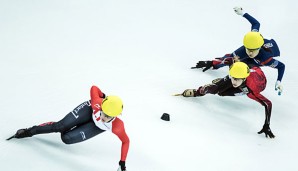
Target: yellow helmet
<point x="239" y="70"/>
<point x="253" y="40"/>
<point x="112" y="106"/>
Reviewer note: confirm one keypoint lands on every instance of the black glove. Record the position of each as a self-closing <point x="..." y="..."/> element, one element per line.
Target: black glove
<point x="122" y="165"/>
<point x="266" y="129"/>
<point x="203" y="64"/>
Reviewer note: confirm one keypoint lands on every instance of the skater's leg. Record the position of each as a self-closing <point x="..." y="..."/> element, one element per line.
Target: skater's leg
<point x="80" y="115"/>
<point x="81" y="133"/>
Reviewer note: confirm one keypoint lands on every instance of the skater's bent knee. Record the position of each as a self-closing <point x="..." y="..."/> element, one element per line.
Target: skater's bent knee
<point x="66" y="139"/>
<point x="58" y="127"/>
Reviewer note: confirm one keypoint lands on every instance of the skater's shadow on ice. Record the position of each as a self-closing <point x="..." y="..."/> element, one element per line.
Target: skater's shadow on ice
<point x="54" y="151"/>
<point x="57" y="144"/>
<point x="52" y="143"/>
<point x="230" y="110"/>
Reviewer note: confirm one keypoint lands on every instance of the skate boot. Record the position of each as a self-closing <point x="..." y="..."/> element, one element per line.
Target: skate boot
<point x="23" y="133"/>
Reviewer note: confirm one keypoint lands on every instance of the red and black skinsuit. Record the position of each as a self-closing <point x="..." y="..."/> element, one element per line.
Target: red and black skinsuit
<point x="254" y="84"/>
<point x="84" y="122"/>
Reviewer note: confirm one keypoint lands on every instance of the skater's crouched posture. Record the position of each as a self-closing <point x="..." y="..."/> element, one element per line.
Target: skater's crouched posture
<point x="86" y="121"/>
<point x="240" y="81"/>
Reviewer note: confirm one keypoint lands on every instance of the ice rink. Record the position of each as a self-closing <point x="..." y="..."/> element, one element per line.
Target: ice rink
<point x="53" y="51"/>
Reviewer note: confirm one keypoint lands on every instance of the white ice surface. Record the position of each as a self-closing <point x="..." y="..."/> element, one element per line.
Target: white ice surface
<point x="53" y="51"/>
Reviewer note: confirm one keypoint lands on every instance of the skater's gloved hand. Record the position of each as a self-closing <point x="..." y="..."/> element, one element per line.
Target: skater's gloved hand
<point x="189" y="93"/>
<point x="278" y="87"/>
<point x="266" y="129"/>
<point x="203" y="64"/>
<point x="122" y="166"/>
<point x="239" y="11"/>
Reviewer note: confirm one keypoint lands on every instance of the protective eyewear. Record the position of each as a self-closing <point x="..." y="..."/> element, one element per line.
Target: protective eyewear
<point x="252" y="50"/>
<point x="105" y="115"/>
<point x="236" y="79"/>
